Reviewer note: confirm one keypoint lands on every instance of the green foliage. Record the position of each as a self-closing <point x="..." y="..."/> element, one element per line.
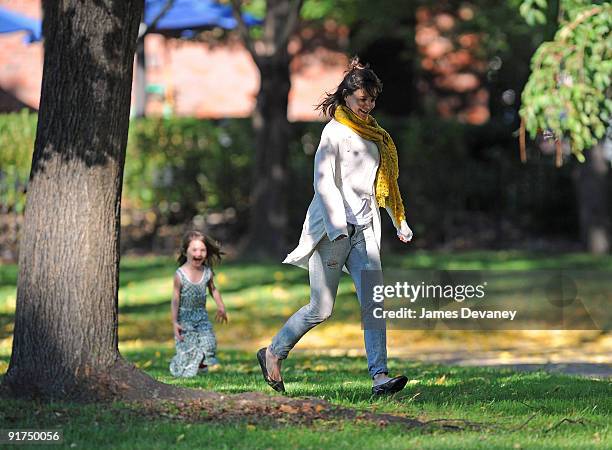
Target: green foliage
<point x="183" y="166"/>
<point x="177" y="167"/>
<point x="456" y="177"/>
<point x="534" y="11"/>
<point x="323" y="9"/>
<point x="569" y="87"/>
<point x="499" y="26"/>
<point x="311" y="9"/>
<point x="17" y="134"/>
<point x="536" y="410"/>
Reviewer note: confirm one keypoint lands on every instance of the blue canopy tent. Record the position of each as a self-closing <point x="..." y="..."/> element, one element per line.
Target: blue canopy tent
<point x="179" y="18"/>
<point x="175" y="18"/>
<point x="191" y="15"/>
<point x="11" y="22"/>
<point x="183" y="17"/>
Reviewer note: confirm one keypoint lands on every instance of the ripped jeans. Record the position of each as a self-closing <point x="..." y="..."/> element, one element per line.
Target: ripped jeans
<point x="359" y="251"/>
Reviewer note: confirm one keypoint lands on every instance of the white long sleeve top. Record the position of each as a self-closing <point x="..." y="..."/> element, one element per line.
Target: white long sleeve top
<point x="345" y="168"/>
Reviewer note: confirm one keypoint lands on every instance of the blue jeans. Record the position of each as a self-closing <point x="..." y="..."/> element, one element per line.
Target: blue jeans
<point x="359" y="251"/>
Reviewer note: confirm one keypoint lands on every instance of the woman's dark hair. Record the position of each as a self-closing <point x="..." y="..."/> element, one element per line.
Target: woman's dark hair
<point x="213" y="249"/>
<point x="358" y="76"/>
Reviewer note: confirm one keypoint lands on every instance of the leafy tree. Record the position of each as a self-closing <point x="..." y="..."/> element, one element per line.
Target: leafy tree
<point x="567" y="97"/>
<point x="268" y="218"/>
<point x="567" y="94"/>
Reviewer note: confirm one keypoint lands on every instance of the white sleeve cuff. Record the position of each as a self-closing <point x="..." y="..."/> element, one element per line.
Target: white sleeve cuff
<point x="404" y="231"/>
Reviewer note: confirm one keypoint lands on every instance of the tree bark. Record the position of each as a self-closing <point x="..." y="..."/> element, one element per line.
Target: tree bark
<point x="66" y="315"/>
<point x="268" y="224"/>
<point x="268" y="218"/>
<point x="591" y="190"/>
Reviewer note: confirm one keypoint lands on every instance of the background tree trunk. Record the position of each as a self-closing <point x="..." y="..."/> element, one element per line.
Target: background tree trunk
<point x="591" y="190"/>
<point x="268" y="217"/>
<point x="66" y="313"/>
<point x="268" y="224"/>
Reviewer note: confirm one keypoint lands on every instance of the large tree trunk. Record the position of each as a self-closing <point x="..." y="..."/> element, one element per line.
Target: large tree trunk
<point x="66" y="315"/>
<point x="268" y="223"/>
<point x="591" y="190"/>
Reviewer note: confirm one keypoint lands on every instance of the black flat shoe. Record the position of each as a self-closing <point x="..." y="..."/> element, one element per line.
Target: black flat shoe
<point x="278" y="386"/>
<point x="390" y="387"/>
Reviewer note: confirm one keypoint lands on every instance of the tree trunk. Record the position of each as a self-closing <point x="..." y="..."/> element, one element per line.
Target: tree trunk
<point x="66" y="315"/>
<point x="268" y="218"/>
<point x="591" y="190"/>
<point x="268" y="224"/>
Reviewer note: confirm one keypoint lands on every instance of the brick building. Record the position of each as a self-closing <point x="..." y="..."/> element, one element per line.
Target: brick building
<point x="188" y="78"/>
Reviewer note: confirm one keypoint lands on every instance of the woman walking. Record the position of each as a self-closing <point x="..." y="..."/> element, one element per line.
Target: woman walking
<point x="355" y="173"/>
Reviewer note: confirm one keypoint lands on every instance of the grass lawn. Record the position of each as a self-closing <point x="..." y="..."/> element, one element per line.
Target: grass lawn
<point x="510" y="410"/>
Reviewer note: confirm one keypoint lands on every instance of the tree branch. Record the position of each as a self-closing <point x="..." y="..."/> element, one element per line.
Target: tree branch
<point x="243" y="29"/>
<point x="145" y="29"/>
<point x="566" y="420"/>
<point x="567" y="29"/>
<point x="291" y="23"/>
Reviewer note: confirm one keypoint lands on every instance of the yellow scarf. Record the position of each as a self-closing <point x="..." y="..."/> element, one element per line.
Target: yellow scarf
<point x="386" y="188"/>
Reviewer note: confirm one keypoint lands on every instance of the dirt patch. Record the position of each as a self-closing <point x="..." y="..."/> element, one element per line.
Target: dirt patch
<point x="256" y="407"/>
<point x="141" y="395"/>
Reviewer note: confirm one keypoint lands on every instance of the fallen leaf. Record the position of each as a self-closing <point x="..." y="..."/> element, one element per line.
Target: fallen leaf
<point x="597" y="437"/>
<point x="288" y="409"/>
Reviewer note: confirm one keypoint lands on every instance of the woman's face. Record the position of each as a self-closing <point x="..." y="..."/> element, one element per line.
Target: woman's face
<point x="360" y="102"/>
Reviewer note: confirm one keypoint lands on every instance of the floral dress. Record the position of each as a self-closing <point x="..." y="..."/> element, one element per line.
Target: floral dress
<point x="199" y="343"/>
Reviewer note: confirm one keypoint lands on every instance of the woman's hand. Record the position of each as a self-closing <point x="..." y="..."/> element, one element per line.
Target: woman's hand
<point x="221" y="316"/>
<point x="177" y="331"/>
<point x="404" y="233"/>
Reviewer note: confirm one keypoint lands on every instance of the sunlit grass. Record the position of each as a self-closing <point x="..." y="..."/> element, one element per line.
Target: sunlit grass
<point x="513" y="410"/>
<point x="517" y="410"/>
<point x="260" y="296"/>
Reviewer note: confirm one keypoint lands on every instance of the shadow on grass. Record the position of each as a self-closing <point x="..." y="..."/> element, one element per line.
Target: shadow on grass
<point x="239" y="275"/>
<point x="8" y="275"/>
<point x="6" y="322"/>
<point x="344" y="380"/>
<point x="248" y="273"/>
<point x="146" y="308"/>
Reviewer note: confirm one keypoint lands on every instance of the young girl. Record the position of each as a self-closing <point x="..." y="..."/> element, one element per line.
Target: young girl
<point x="195" y="341"/>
